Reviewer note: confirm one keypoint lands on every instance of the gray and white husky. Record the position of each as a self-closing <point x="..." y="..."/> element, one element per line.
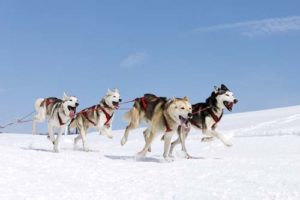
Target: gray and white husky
<point x="206" y="117"/>
<point x="59" y="113"/>
<point x="99" y="116"/>
<point x="161" y="116"/>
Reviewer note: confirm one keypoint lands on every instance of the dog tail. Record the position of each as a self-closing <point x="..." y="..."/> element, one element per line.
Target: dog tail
<point x="38" y="103"/>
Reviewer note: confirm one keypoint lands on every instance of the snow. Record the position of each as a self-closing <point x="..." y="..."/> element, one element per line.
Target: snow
<point x="264" y="163"/>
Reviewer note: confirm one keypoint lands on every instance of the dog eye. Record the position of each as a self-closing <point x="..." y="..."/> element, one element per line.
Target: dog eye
<point x="182" y="108"/>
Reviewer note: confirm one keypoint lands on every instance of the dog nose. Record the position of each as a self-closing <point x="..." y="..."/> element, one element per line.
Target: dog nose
<point x="190" y="115"/>
<point x="76" y="104"/>
<point x="120" y="100"/>
<point x="235" y="101"/>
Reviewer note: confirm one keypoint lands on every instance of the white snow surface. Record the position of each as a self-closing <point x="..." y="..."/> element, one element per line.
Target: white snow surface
<point x="263" y="163"/>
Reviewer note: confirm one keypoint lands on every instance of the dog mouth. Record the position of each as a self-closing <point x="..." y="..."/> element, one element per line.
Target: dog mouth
<point x="116" y="104"/>
<point x="72" y="111"/>
<point x="183" y="120"/>
<point x="228" y="105"/>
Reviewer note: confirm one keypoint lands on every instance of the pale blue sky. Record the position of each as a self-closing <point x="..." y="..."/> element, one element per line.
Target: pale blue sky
<point x="171" y="48"/>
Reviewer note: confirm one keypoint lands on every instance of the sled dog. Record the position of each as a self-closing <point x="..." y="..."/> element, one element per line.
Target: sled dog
<point x="206" y="117"/>
<point x="161" y="115"/>
<point x="99" y="116"/>
<point x="59" y="113"/>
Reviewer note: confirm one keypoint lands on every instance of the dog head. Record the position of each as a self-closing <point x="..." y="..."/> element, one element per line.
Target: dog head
<point x="70" y="103"/>
<point x="225" y="97"/>
<point x="112" y="98"/>
<point x="180" y="110"/>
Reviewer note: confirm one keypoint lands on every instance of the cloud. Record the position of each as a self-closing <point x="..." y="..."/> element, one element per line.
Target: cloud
<point x="258" y="27"/>
<point x="133" y="60"/>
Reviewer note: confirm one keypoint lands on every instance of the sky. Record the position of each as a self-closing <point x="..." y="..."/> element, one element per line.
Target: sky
<point x="166" y="47"/>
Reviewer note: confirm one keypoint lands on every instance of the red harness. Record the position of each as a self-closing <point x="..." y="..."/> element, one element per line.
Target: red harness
<point x="215" y="117"/>
<point x="167" y="125"/>
<point x="143" y="102"/>
<point x="86" y="111"/>
<point x="108" y="117"/>
<point x="48" y="101"/>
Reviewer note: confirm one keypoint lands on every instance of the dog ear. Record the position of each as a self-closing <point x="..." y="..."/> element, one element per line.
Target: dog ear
<point x="223" y="87"/>
<point x="65" y="96"/>
<point x="216" y="89"/>
<point x="186" y="98"/>
<point x="116" y="90"/>
<point x="173" y="99"/>
<point x="108" y="91"/>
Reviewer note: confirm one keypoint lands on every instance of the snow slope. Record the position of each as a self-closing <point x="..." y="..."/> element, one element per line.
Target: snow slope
<point x="258" y="166"/>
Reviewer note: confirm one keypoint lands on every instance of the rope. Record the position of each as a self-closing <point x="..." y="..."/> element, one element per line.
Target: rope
<point x="128" y="101"/>
<point x="123" y="109"/>
<point x="200" y="110"/>
<point x="19" y="121"/>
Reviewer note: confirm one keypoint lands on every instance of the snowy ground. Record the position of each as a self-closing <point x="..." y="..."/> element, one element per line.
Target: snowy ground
<point x="264" y="163"/>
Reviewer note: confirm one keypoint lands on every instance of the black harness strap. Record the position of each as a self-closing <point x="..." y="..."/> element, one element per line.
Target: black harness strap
<point x="60" y="120"/>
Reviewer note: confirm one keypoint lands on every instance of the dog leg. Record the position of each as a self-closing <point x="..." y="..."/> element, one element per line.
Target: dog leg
<point x="57" y="140"/>
<point x="149" y="141"/>
<point x="106" y="131"/>
<point x="76" y="141"/>
<point x="167" y="139"/>
<point x="51" y="134"/>
<point x="131" y="126"/>
<point x="83" y="137"/>
<point x="146" y="135"/>
<point x="220" y="137"/>
<point x="176" y="142"/>
<point x="183" y="135"/>
<point x="134" y="123"/>
<point x="208" y="136"/>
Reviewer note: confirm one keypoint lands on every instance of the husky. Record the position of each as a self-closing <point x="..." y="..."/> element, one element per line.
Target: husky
<point x="59" y="113"/>
<point x="161" y="115"/>
<point x="206" y="117"/>
<point x="99" y="116"/>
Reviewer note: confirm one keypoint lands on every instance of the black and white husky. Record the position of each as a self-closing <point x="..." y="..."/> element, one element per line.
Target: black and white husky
<point x="206" y="117"/>
<point x="59" y="113"/>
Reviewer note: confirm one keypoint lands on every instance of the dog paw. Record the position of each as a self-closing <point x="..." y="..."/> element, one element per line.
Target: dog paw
<point x="169" y="159"/>
<point x="171" y="156"/>
<point x="110" y="136"/>
<point x="86" y="149"/>
<point x="228" y="144"/>
<point x="123" y="141"/>
<point x="207" y="139"/>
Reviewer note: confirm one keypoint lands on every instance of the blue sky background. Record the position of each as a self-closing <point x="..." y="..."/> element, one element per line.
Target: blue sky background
<point x="170" y="48"/>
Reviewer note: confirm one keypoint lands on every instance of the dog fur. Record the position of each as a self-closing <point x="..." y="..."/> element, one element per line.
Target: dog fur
<point x="99" y="116"/>
<point x="206" y="116"/>
<point x="161" y="115"/>
<point x="59" y="112"/>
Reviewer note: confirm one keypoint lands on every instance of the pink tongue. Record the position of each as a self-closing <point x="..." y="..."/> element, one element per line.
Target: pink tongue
<point x="72" y="114"/>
